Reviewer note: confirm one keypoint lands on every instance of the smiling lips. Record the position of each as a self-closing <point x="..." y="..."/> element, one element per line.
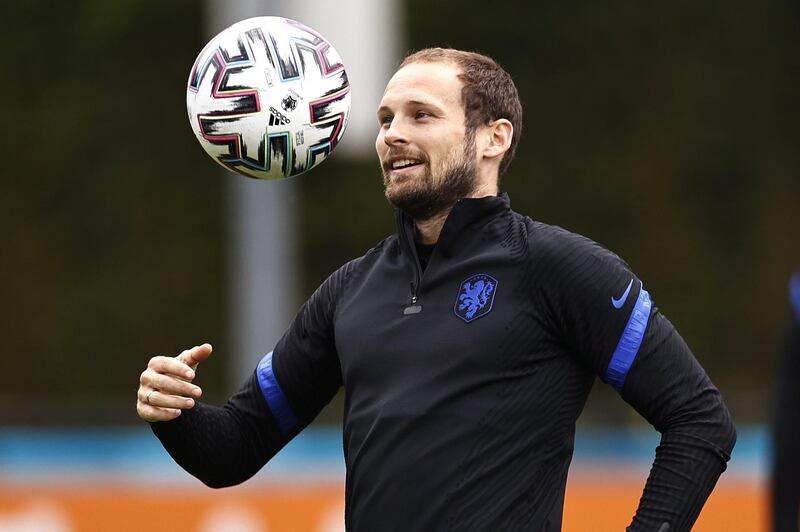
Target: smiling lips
<point x="398" y="165"/>
<point x="403" y="163"/>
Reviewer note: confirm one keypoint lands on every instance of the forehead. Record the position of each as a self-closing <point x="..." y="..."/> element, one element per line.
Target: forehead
<point x="435" y="83"/>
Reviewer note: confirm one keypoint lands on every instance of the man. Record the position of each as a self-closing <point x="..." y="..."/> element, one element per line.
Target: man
<point x="467" y="343"/>
<point x="786" y="436"/>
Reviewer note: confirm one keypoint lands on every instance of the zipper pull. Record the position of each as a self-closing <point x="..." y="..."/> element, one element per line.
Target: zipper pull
<point x="413" y="308"/>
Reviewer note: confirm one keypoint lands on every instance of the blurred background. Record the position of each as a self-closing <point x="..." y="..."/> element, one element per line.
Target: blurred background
<point x="666" y="132"/>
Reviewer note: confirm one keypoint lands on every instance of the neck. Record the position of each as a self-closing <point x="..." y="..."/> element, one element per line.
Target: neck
<point x="428" y="230"/>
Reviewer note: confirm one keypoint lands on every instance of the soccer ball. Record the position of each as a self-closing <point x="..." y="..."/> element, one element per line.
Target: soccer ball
<point x="268" y="98"/>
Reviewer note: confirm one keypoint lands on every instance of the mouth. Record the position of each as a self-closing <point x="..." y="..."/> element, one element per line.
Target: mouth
<point x="402" y="164"/>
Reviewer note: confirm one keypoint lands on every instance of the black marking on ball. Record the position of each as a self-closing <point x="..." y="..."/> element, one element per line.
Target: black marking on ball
<point x="288" y="103"/>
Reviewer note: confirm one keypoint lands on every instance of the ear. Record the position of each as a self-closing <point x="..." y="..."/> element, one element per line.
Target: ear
<point x="498" y="138"/>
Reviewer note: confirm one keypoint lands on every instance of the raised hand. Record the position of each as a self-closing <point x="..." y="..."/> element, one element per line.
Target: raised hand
<point x="165" y="387"/>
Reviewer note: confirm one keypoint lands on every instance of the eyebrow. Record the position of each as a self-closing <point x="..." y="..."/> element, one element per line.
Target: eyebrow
<point x="384" y="108"/>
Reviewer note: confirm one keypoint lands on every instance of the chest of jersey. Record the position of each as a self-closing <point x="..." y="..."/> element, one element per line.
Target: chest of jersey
<point x="457" y="391"/>
<point x="467" y="331"/>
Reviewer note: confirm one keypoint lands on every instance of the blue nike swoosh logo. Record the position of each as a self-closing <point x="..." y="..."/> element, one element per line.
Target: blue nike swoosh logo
<point x="621" y="301"/>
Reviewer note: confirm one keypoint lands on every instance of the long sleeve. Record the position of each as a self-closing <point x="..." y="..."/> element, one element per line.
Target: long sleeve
<point x="785" y="426"/>
<point x="671" y="390"/>
<point x="615" y="329"/>
<point x="223" y="446"/>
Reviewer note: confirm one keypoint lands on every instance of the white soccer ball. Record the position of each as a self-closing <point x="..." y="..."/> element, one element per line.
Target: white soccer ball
<point x="268" y="98"/>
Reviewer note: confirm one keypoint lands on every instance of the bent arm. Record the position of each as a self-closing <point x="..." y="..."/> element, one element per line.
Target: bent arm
<point x="224" y="446"/>
<point x="671" y="390"/>
<point x="607" y="317"/>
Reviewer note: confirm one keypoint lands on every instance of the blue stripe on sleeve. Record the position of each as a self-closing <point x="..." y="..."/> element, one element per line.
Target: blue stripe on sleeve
<point x="274" y="396"/>
<point x="629" y="343"/>
<point x="794" y="294"/>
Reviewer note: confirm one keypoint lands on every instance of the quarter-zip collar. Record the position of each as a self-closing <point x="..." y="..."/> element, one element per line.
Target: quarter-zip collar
<point x="465" y="213"/>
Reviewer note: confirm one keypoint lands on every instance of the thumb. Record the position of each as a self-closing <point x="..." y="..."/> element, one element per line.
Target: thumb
<point x="192" y="357"/>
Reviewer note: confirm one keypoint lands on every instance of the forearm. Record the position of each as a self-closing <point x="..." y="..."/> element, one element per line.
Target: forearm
<point x="223" y="446"/>
<point x="684" y="473"/>
<point x="671" y="389"/>
<point x="786" y="438"/>
<point x="785" y="476"/>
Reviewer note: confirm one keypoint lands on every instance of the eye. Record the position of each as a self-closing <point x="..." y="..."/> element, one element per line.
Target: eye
<point x="385" y="120"/>
<point x="419" y="115"/>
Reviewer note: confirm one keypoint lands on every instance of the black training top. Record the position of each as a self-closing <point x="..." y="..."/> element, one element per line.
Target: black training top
<point x="786" y="430"/>
<point x="463" y="382"/>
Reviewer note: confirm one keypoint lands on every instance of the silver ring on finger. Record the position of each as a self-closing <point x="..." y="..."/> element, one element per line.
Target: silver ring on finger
<point x="147" y="398"/>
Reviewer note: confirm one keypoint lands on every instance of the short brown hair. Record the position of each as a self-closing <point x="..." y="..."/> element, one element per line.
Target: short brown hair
<point x="489" y="92"/>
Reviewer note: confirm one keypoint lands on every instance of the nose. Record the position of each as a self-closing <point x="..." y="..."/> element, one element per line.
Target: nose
<point x="395" y="134"/>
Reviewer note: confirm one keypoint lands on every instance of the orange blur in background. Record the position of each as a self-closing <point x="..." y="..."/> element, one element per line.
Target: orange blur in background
<point x="121" y="479"/>
<point x="591" y="505"/>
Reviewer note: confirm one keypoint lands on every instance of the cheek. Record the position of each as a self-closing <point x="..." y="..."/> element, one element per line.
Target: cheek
<point x="380" y="147"/>
<point x="446" y="155"/>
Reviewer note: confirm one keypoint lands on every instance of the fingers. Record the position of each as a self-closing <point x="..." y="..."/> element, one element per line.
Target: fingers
<point x="160" y="399"/>
<point x="165" y="387"/>
<point x="157" y="405"/>
<point x="152" y="413"/>
<point x="192" y="357"/>
<point x="169" y="385"/>
<point x="154" y="406"/>
<point x="171" y="366"/>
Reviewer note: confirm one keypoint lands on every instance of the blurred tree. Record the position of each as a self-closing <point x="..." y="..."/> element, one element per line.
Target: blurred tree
<point x="662" y="131"/>
<point x="111" y="213"/>
<point x="666" y="132"/>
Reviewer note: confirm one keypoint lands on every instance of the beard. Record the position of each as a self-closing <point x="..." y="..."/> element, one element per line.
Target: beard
<point x="432" y="194"/>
